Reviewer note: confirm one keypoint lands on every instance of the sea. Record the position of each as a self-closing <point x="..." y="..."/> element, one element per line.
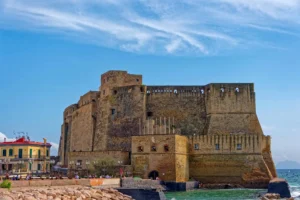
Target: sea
<point x="291" y="175"/>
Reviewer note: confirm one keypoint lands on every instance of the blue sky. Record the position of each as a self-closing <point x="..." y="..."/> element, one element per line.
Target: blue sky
<point x="51" y="52"/>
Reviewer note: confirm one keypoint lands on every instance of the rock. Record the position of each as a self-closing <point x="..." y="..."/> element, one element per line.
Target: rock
<point x="6" y="197"/>
<point x="271" y="196"/>
<point x="279" y="186"/>
<point x="29" y="197"/>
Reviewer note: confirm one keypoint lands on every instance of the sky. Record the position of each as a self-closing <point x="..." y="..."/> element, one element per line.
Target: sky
<point x="52" y="52"/>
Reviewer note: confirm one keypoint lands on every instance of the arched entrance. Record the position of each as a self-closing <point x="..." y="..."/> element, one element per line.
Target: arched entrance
<point x="153" y="175"/>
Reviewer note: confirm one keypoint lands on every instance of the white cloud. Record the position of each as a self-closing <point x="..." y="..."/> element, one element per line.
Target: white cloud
<point x="268" y="128"/>
<point x="2" y="136"/>
<point x="159" y="26"/>
<point x="173" y="46"/>
<point x="54" y="149"/>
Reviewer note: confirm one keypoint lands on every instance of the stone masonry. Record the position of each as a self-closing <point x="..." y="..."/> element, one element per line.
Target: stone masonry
<point x="216" y="123"/>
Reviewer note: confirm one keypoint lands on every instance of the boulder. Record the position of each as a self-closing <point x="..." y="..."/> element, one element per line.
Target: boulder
<point x="279" y="186"/>
<point x="270" y="196"/>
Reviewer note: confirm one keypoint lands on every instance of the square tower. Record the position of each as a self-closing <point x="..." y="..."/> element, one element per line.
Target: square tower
<point x="163" y="156"/>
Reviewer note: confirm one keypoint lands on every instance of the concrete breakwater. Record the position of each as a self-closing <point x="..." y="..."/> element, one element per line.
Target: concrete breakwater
<point x="64" y="193"/>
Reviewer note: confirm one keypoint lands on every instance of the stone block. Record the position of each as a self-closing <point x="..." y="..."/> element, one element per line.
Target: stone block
<point x="279" y="186"/>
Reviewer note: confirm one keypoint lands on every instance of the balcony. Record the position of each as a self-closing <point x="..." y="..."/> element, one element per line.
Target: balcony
<point x="24" y="158"/>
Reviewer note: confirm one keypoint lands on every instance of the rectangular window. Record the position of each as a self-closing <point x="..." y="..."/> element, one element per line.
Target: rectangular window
<point x="140" y="149"/>
<point x="239" y="146"/>
<point x="30" y="153"/>
<point x="46" y="166"/>
<point x="103" y="92"/>
<point x="30" y="166"/>
<point x="11" y="152"/>
<point x="39" y="167"/>
<point x="113" y="111"/>
<point x="153" y="148"/>
<point x="4" y="152"/>
<point x="39" y="153"/>
<point x="196" y="146"/>
<point x="217" y="146"/>
<point x="20" y="153"/>
<point x="47" y="153"/>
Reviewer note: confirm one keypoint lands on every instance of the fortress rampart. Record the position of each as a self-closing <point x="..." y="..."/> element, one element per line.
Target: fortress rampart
<point x="218" y="120"/>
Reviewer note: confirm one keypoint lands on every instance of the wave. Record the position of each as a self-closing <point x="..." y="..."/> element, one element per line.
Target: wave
<point x="295" y="193"/>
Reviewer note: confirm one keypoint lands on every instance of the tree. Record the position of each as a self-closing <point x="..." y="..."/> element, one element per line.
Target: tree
<point x="103" y="166"/>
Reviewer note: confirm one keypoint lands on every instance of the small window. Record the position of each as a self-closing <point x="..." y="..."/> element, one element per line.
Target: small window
<point x="137" y="80"/>
<point x="30" y="153"/>
<point x="222" y="90"/>
<point x="79" y="162"/>
<point x="47" y="153"/>
<point x="202" y="91"/>
<point x="149" y="114"/>
<point x="175" y="91"/>
<point x="39" y="153"/>
<point x="39" y="167"/>
<point x="4" y="152"/>
<point x="113" y="111"/>
<point x="237" y="90"/>
<point x="239" y="147"/>
<point x="196" y="146"/>
<point x="140" y="149"/>
<point x="153" y="148"/>
<point x="217" y="146"/>
<point x="103" y="92"/>
<point x="166" y="148"/>
<point x="11" y="152"/>
<point x="107" y="79"/>
<point x="115" y="92"/>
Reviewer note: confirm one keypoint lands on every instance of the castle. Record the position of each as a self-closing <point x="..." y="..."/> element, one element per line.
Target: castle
<point x="210" y="133"/>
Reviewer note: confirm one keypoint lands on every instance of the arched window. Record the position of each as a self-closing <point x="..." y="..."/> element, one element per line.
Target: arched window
<point x="222" y="90"/>
<point x="175" y="91"/>
<point x="202" y="91"/>
<point x="237" y="89"/>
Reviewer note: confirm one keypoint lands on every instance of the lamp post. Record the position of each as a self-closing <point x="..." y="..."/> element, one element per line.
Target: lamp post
<point x="120" y="169"/>
<point x="51" y="164"/>
<point x="1" y="166"/>
<point x="30" y="161"/>
<point x="20" y="162"/>
<point x="87" y="163"/>
<point x="6" y="161"/>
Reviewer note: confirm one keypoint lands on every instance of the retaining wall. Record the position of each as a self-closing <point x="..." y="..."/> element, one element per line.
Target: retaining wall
<point x="64" y="182"/>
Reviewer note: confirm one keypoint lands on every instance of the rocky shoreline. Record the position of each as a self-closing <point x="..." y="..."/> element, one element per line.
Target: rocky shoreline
<point x="64" y="193"/>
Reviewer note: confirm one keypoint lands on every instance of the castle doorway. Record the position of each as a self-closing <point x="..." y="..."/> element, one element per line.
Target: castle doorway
<point x="153" y="175"/>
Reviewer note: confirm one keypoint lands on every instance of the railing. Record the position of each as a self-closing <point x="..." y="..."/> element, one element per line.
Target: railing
<point x="25" y="157"/>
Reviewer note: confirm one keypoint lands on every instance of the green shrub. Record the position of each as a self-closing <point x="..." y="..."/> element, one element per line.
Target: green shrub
<point x="5" y="184"/>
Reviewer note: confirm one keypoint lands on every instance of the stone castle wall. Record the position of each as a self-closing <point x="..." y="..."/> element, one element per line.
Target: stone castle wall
<point x="106" y="120"/>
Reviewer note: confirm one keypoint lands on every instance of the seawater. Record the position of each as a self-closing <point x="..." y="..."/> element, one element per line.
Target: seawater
<point x="292" y="176"/>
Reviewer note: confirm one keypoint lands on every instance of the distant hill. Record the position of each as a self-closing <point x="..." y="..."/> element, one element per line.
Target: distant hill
<point x="288" y="164"/>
